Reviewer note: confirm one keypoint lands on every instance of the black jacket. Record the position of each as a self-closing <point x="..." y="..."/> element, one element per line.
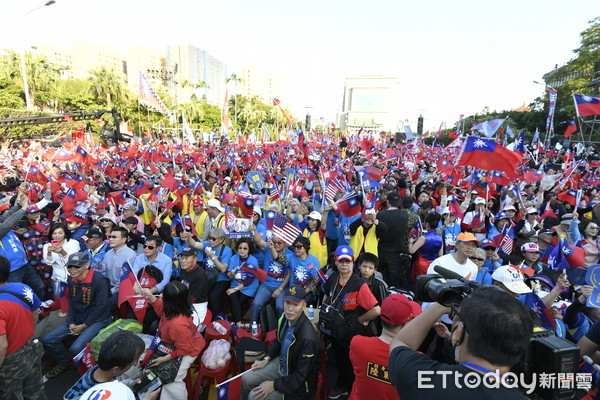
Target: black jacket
<point x="303" y="360"/>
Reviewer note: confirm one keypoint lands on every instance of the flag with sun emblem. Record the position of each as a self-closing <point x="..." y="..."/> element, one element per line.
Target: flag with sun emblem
<point x="488" y="155"/>
<point x="21" y="294"/>
<point x="229" y="390"/>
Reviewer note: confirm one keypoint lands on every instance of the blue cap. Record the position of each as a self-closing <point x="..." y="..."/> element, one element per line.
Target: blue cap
<point x="344" y="253"/>
<point x="502" y="215"/>
<point x="487" y="243"/>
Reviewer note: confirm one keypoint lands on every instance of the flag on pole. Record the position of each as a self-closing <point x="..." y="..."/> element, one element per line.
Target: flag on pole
<point x="488" y="128"/>
<point x="230" y="390"/>
<point x="187" y="132"/>
<point x="489" y="155"/>
<point x="572" y="128"/>
<point x="128" y="280"/>
<point x="586" y="105"/>
<point x="148" y="97"/>
<point x="349" y="205"/>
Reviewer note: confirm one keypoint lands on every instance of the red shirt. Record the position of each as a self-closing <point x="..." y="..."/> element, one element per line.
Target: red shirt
<point x="180" y="331"/>
<point x="369" y="357"/>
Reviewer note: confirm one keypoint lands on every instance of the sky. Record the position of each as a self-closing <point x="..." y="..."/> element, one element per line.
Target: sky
<point x="451" y="57"/>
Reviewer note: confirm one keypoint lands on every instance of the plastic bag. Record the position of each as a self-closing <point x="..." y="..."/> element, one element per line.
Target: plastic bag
<point x="217" y="355"/>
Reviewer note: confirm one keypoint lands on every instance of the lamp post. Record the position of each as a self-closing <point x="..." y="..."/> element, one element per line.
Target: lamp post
<point x="28" y="99"/>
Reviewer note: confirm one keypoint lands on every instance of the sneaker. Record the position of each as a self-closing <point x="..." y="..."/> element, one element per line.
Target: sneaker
<point x="336" y="394"/>
<point x="58" y="369"/>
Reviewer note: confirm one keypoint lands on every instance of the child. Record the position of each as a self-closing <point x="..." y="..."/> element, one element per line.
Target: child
<point x="367" y="265"/>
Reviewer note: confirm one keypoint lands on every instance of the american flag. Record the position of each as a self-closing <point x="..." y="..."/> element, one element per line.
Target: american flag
<point x="229" y="219"/>
<point x="333" y="187"/>
<point x="507" y="242"/>
<point x="274" y="195"/>
<point x="284" y="230"/>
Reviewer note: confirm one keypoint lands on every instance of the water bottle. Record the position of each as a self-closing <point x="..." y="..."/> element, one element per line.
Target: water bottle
<point x="254" y="328"/>
<point x="311" y="312"/>
<point x="220" y="328"/>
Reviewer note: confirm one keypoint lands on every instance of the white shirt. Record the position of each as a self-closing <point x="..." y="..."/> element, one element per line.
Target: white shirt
<point x="467" y="270"/>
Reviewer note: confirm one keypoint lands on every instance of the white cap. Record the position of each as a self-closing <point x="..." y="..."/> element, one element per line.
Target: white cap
<point x="258" y="211"/>
<point x="109" y="390"/>
<point x="480" y="200"/>
<point x="315" y="215"/>
<point x="216" y="204"/>
<point x="511" y="278"/>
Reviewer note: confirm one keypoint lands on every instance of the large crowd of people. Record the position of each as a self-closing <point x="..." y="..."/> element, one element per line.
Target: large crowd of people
<point x="177" y="236"/>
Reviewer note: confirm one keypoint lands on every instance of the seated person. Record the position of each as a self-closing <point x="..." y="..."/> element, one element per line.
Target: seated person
<point x="88" y="313"/>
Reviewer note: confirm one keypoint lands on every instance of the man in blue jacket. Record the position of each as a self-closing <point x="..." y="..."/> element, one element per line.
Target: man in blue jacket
<point x="88" y="313"/>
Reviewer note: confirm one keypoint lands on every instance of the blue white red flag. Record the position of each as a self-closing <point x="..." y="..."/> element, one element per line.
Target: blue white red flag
<point x="572" y="128"/>
<point x="488" y="128"/>
<point x="533" y="301"/>
<point x="148" y="97"/>
<point x="230" y="390"/>
<point x="489" y="155"/>
<point x="349" y="205"/>
<point x="586" y="105"/>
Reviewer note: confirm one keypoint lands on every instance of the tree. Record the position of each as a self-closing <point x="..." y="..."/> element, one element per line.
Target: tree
<point x="105" y="83"/>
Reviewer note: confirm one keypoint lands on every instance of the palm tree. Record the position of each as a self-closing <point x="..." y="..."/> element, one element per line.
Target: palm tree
<point x="235" y="80"/>
<point x="195" y="86"/>
<point x="106" y="83"/>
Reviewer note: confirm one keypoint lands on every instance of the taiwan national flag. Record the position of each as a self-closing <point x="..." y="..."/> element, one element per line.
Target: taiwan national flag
<point x="572" y="128"/>
<point x="564" y="256"/>
<point x="570" y="196"/>
<point x="349" y="205"/>
<point x="230" y="390"/>
<point x="488" y="128"/>
<point x="532" y="301"/>
<point x="533" y="176"/>
<point x="489" y="155"/>
<point x="586" y="105"/>
<point x="126" y="284"/>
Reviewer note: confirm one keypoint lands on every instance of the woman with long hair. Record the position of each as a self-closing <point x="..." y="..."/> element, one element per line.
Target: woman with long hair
<point x="587" y="238"/>
<point x="243" y="282"/>
<point x="428" y="246"/>
<point x="57" y="251"/>
<point x="176" y="328"/>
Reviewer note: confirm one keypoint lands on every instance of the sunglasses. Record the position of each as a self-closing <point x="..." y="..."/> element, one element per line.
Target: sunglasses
<point x="477" y="259"/>
<point x="243" y="248"/>
<point x="298" y="246"/>
<point x="277" y="242"/>
<point x="593" y="228"/>
<point x="114" y="237"/>
<point x="105" y="220"/>
<point x="213" y="238"/>
<point x="74" y="266"/>
<point x="149" y="247"/>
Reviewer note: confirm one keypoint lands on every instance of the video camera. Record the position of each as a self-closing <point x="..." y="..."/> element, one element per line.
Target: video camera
<point x="547" y="353"/>
<point x="446" y="287"/>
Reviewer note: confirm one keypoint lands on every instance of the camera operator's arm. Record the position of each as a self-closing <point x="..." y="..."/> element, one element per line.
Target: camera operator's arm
<point x="588" y="345"/>
<point x="413" y="334"/>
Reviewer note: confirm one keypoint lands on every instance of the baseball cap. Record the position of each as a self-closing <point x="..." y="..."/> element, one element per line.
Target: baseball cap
<point x="530" y="247"/>
<point x="315" y="215"/>
<point x="566" y="218"/>
<point x="4" y="207"/>
<point x="110" y="216"/>
<point x="77" y="217"/>
<point x="344" y="253"/>
<point x="130" y="220"/>
<point x="397" y="309"/>
<point x="94" y="233"/>
<point x="189" y="252"/>
<point x="532" y="210"/>
<point x="258" y="211"/>
<point x="78" y="259"/>
<point x="502" y="215"/>
<point x="479" y="200"/>
<point x="32" y="209"/>
<point x="487" y="243"/>
<point x="216" y="204"/>
<point x="198" y="202"/>
<point x="467" y="237"/>
<point x="511" y="278"/>
<point x="295" y="294"/>
<point x="109" y="391"/>
<point x="509" y="207"/>
<point x="393" y="199"/>
<point x="130" y="206"/>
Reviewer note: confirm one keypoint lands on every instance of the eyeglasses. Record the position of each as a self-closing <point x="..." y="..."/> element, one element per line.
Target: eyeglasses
<point x="454" y="312"/>
<point x="277" y="242"/>
<point x="74" y="266"/>
<point x="114" y="237"/>
<point x="477" y="259"/>
<point x="243" y="248"/>
<point x="213" y="238"/>
<point x="298" y="246"/>
<point x="149" y="247"/>
<point x="105" y="220"/>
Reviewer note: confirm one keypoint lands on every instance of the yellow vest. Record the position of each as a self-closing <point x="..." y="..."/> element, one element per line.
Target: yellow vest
<point x="370" y="241"/>
<point x="146" y="216"/>
<point x="200" y="222"/>
<point x="317" y="249"/>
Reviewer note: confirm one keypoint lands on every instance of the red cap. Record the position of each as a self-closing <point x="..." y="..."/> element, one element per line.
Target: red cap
<point x="396" y="309"/>
<point x="4" y="207"/>
<point x="198" y="202"/>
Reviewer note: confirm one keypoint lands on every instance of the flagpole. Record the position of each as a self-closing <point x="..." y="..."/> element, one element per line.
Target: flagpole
<point x="233" y="378"/>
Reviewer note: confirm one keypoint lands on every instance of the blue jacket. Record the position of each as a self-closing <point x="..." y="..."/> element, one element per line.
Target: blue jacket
<point x="88" y="299"/>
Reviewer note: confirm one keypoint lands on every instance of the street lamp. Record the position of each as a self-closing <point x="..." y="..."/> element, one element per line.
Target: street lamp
<point x="28" y="99"/>
<point x="545" y="84"/>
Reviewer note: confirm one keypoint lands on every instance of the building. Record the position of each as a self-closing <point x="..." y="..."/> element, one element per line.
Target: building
<point x="256" y="82"/>
<point x="370" y="102"/>
<point x="146" y="60"/>
<point x="192" y="68"/>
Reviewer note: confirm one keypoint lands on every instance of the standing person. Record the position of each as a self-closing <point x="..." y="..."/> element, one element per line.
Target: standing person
<point x="587" y="237"/>
<point x="177" y="328"/>
<point x="349" y="295"/>
<point x="367" y="267"/>
<point x="114" y="259"/>
<point x="314" y="230"/>
<point x="57" y="252"/>
<point x="291" y="367"/>
<point x="428" y="246"/>
<point x="304" y="267"/>
<point x="12" y="248"/>
<point x="88" y="313"/>
<point x="459" y="261"/>
<point x="475" y="220"/>
<point x="370" y="355"/>
<point x="389" y="246"/>
<point x="194" y="278"/>
<point x="365" y="234"/>
<point x="20" y="359"/>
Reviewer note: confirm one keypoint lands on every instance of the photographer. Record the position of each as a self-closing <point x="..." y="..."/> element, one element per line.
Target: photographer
<point x="489" y="333"/>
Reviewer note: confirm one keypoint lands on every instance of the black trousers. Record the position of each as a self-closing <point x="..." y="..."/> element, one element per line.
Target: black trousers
<point x="341" y="353"/>
<point x="214" y="297"/>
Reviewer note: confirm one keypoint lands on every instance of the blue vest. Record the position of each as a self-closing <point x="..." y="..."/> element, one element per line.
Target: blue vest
<point x="12" y="248"/>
